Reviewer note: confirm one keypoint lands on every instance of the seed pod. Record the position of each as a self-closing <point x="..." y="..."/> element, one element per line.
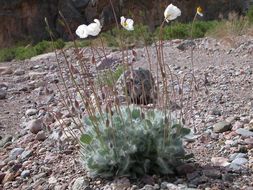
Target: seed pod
<point x="134" y="53"/>
<point x="77" y="104"/>
<point x="107" y="123"/>
<point x="93" y="60"/>
<point x="180" y="91"/>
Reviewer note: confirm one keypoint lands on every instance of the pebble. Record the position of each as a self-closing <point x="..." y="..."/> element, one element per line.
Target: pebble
<point x="31" y="112"/>
<point x="25" y="173"/>
<point x="41" y="136"/>
<point x="14" y="153"/>
<point x="35" y="125"/>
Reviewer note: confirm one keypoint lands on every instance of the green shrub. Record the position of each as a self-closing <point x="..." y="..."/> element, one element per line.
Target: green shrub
<point x="7" y="54"/>
<point x="42" y="46"/>
<point x="129" y="142"/>
<point x="250" y="14"/>
<point x="176" y="30"/>
<point x="138" y="36"/>
<point x="26" y="52"/>
<point x="47" y="46"/>
<point x="59" y="44"/>
<point x="200" y="28"/>
<point x="22" y="53"/>
<point x="184" y="30"/>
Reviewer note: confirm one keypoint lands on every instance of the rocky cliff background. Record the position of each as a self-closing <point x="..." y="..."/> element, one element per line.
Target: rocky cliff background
<point x="23" y="20"/>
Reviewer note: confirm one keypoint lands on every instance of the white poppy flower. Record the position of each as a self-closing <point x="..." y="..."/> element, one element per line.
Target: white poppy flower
<point x="171" y="13"/>
<point x="93" y="29"/>
<point x="127" y="23"/>
<point x="82" y="31"/>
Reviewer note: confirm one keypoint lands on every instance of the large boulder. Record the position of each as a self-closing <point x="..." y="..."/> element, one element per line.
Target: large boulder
<point x="137" y="85"/>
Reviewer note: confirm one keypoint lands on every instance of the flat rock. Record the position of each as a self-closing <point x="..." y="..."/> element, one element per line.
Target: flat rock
<point x="244" y="132"/>
<point x="222" y="127"/>
<point x="220" y="161"/>
<point x="14" y="153"/>
<point x="240" y="161"/>
<point x="80" y="184"/>
<point x="26" y="154"/>
<point x="5" y="71"/>
<point x="19" y="72"/>
<point x="237" y="155"/>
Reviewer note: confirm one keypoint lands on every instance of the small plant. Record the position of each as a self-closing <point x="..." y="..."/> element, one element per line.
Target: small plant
<point x="110" y="77"/>
<point x="128" y="141"/>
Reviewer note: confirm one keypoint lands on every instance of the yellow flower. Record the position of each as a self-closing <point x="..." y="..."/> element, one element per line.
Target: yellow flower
<point x="200" y="11"/>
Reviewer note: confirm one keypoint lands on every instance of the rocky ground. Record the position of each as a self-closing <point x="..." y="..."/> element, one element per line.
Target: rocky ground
<point x="35" y="156"/>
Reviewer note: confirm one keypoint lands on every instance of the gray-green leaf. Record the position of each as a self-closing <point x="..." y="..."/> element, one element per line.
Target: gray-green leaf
<point x="85" y="138"/>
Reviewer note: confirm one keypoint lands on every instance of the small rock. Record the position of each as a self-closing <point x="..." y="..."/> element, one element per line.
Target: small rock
<point x="5" y="71"/>
<point x="80" y="184"/>
<point x="31" y="112"/>
<point x="237" y="125"/>
<point x="41" y="136"/>
<point x="240" y="161"/>
<point x="5" y="140"/>
<point x="249" y="141"/>
<point x="185" y="168"/>
<point x="25" y="155"/>
<point x="35" y="125"/>
<point x="244" y="132"/>
<point x="19" y="72"/>
<point x="220" y="161"/>
<point x="148" y="187"/>
<point x="221" y="127"/>
<point x="25" y="173"/>
<point x="237" y="155"/>
<point x="212" y="173"/>
<point x="3" y="94"/>
<point x="15" y="153"/>
<point x="9" y="176"/>
<point x="235" y="167"/>
<point x="52" y="180"/>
